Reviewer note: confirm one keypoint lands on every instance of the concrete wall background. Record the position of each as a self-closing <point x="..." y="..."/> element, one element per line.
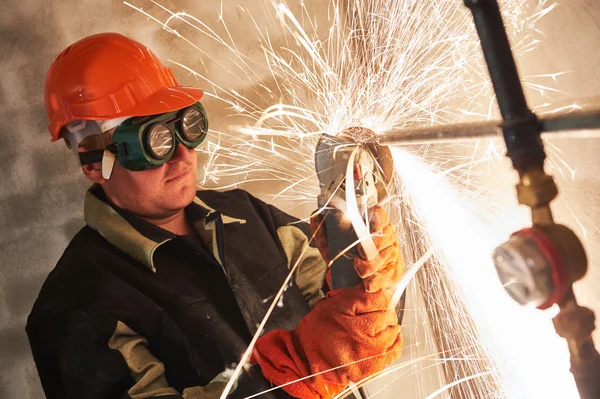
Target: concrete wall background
<point x="41" y="188"/>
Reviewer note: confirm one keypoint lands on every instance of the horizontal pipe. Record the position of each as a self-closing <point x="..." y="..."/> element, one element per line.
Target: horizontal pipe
<point x="442" y="133"/>
<point x="572" y="121"/>
<point x="560" y="126"/>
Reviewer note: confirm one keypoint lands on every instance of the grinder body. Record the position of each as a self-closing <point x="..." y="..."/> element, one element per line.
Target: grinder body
<point x="344" y="203"/>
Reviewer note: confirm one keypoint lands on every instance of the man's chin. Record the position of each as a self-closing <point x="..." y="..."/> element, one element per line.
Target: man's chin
<point x="169" y="207"/>
<point x="182" y="197"/>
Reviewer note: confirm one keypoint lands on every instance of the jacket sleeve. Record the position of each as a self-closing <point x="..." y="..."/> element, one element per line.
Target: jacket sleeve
<point x="93" y="356"/>
<point x="296" y="242"/>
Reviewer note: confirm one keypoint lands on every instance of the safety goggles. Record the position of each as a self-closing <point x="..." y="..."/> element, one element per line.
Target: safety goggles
<point x="148" y="142"/>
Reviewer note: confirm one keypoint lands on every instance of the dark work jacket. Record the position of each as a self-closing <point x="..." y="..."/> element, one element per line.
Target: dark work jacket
<point x="132" y="310"/>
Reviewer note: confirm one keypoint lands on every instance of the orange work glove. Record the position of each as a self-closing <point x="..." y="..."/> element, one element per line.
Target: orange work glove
<point x="350" y="328"/>
<point x="386" y="270"/>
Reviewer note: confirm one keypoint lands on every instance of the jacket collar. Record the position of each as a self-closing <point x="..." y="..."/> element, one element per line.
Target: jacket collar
<point x="133" y="235"/>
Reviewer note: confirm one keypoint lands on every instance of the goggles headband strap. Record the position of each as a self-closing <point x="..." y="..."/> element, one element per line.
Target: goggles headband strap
<point x="90" y="157"/>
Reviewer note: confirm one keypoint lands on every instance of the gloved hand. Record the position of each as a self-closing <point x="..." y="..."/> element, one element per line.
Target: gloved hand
<point x="350" y="328"/>
<point x="385" y="270"/>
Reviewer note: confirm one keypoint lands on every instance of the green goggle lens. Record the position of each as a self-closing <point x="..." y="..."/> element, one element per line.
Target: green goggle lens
<point x="193" y="124"/>
<point x="159" y="141"/>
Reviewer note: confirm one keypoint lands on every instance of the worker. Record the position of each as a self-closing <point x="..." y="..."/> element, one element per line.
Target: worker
<point x="162" y="290"/>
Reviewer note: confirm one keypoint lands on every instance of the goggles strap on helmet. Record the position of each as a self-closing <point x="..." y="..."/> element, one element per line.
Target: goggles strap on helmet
<point x="75" y="132"/>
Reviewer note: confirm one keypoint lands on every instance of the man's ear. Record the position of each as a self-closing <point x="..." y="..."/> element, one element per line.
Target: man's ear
<point x="92" y="171"/>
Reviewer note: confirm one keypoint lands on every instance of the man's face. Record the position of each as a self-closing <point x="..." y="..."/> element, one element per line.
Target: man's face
<point x="155" y="193"/>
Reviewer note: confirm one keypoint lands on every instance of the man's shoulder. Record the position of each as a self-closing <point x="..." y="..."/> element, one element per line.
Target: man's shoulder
<point x="83" y="245"/>
<point x="84" y="250"/>
<point x="75" y="276"/>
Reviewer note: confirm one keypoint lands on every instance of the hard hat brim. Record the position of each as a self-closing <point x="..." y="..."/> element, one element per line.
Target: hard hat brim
<point x="167" y="99"/>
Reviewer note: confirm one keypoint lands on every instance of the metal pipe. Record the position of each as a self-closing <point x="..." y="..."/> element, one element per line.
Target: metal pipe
<point x="576" y="324"/>
<point x="520" y="127"/>
<point x="579" y="120"/>
<point x="442" y="133"/>
<point x="556" y="125"/>
<point x="498" y="56"/>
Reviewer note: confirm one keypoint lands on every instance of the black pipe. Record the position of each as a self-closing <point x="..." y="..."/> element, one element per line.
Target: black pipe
<point x="521" y="129"/>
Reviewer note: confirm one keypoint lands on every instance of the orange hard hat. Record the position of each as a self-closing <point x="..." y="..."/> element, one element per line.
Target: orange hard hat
<point x="108" y="76"/>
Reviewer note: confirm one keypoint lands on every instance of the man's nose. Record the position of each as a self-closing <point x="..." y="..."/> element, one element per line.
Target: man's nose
<point x="182" y="153"/>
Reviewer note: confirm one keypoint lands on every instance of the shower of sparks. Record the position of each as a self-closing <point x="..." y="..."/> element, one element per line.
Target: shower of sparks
<point x="388" y="64"/>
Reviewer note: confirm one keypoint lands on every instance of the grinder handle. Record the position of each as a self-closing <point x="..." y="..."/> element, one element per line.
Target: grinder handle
<point x="339" y="237"/>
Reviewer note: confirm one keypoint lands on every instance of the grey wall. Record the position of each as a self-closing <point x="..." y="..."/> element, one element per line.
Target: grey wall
<point x="41" y="188"/>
